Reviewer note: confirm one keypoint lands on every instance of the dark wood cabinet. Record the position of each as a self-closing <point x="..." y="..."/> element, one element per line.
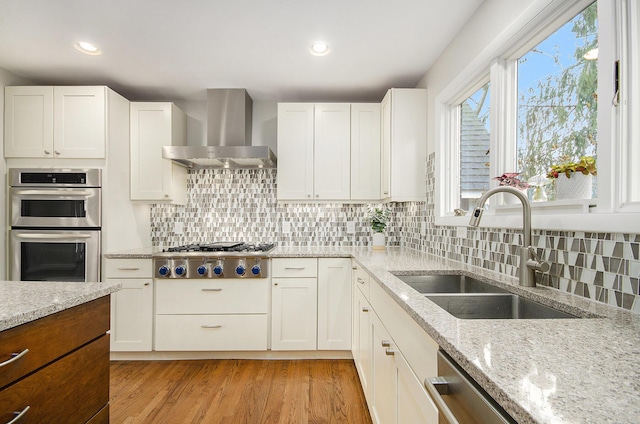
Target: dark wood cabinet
<point x="64" y="375"/>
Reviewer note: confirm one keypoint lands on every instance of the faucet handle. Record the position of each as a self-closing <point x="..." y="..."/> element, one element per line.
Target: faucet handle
<point x="537" y="263"/>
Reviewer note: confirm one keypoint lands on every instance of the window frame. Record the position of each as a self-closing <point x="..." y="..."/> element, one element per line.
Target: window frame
<point x="607" y="213"/>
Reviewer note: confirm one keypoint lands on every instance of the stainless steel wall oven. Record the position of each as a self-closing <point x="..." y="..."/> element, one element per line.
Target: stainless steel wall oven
<point x="56" y="224"/>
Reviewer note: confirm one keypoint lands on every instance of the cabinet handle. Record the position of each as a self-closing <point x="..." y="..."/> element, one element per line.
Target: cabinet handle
<point x="435" y="394"/>
<point x="216" y="290"/>
<point x="365" y="309"/>
<point x="46" y="152"/>
<point x="317" y="195"/>
<point x="14" y="357"/>
<point x="56" y="152"/>
<point x="389" y="352"/>
<point x="360" y="280"/>
<point x="146" y="284"/>
<point x="386" y="343"/>
<point x="18" y="415"/>
<point x="354" y="267"/>
<point x="386" y="192"/>
<point x="295" y="267"/>
<point x="133" y="268"/>
<point x="211" y="326"/>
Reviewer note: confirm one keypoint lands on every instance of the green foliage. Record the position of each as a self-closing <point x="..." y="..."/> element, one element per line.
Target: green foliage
<point x="379" y="217"/>
<point x="586" y="165"/>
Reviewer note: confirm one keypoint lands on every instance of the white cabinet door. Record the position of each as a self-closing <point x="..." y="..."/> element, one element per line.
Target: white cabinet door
<point x="132" y="315"/>
<point x="154" y="178"/>
<point x="384" y="374"/>
<point x="332" y="151"/>
<point x="295" y="151"/>
<point x="79" y="122"/>
<point x="365" y="151"/>
<point x="294" y="313"/>
<point x="414" y="403"/>
<point x="362" y="353"/>
<point x="385" y="132"/>
<point x="334" y="304"/>
<point x="28" y="122"/>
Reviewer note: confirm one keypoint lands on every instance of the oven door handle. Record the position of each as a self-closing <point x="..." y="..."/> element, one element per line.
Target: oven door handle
<point x="65" y="193"/>
<point x="32" y="236"/>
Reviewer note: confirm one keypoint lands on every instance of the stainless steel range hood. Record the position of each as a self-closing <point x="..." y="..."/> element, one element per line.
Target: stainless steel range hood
<point x="229" y="116"/>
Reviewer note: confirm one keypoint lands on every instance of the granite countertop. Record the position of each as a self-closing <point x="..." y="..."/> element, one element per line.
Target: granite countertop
<point x="25" y="301"/>
<point x="540" y="371"/>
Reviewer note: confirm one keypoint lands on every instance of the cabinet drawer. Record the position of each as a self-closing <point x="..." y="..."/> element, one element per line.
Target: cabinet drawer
<point x="50" y="337"/>
<point x="70" y="390"/>
<point x="362" y="280"/>
<point x="294" y="267"/>
<point x="128" y="268"/>
<point x="227" y="296"/>
<point x="211" y="332"/>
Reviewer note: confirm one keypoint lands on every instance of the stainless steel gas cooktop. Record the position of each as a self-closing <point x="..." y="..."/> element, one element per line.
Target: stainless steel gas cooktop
<point x="214" y="260"/>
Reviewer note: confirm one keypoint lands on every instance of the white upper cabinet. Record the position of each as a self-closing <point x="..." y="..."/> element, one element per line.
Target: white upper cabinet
<point x="332" y="152"/>
<point x="404" y="145"/>
<point x="295" y="151"/>
<point x="365" y="151"/>
<point x="153" y="125"/>
<point x="55" y="122"/>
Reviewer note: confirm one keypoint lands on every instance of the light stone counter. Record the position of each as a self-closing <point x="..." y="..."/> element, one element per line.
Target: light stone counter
<point x="141" y="253"/>
<point x="25" y="301"/>
<point x="540" y="371"/>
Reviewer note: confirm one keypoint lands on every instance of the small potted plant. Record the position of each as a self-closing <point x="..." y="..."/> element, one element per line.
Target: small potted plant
<point x="379" y="218"/>
<point x="574" y="180"/>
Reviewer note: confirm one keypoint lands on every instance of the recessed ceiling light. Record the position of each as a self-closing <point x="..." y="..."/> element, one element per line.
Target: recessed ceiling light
<point x="87" y="48"/>
<point x="319" y="48"/>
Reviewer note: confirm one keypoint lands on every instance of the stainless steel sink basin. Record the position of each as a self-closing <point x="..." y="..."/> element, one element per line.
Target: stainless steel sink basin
<point x="495" y="306"/>
<point x="451" y="283"/>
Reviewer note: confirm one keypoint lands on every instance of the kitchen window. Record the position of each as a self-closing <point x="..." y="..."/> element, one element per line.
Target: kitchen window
<point x="553" y="97"/>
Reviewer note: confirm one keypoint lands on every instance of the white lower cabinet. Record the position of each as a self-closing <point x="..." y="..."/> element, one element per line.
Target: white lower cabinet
<point x="131" y="307"/>
<point x="334" y="304"/>
<point x="393" y="355"/>
<point x="294" y="313"/>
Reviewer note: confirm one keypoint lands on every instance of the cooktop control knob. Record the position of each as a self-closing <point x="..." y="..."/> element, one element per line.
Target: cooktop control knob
<point x="181" y="270"/>
<point x="240" y="270"/>
<point x="217" y="269"/>
<point x="164" y="271"/>
<point x="255" y="270"/>
<point x="202" y="270"/>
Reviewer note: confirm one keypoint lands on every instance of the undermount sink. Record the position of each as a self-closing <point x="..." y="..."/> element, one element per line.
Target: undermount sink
<point x="465" y="297"/>
<point x="448" y="283"/>
<point x="495" y="306"/>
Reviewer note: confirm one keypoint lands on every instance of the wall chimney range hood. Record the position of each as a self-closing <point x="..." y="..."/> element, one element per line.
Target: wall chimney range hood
<point x="229" y="119"/>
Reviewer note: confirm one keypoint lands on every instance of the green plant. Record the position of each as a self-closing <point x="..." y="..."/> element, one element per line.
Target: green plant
<point x="379" y="217"/>
<point x="586" y="165"/>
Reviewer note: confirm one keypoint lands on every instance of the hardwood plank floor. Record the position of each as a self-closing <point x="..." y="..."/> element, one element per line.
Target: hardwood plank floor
<point x="237" y="392"/>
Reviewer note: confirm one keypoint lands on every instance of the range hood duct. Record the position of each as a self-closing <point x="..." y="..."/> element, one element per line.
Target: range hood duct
<point x="229" y="119"/>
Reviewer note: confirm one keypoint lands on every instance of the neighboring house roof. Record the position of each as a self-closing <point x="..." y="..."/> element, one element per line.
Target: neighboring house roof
<point x="474" y="148"/>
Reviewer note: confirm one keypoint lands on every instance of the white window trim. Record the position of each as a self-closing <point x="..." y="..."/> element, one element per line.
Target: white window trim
<point x="541" y="19"/>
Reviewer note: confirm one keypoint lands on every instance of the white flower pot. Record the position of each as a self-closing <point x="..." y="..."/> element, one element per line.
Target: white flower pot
<point x="378" y="241"/>
<point x="579" y="186"/>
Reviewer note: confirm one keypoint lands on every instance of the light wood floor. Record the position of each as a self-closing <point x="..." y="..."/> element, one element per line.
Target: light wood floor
<point x="236" y="392"/>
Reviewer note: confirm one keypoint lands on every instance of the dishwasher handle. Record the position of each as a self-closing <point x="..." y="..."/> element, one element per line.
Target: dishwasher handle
<point x="436" y="387"/>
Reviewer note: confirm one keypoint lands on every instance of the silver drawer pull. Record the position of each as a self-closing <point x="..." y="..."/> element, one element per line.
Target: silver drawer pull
<point x="133" y="268"/>
<point x="386" y="343"/>
<point x="215" y="289"/>
<point x="295" y="267"/>
<point x="365" y="309"/>
<point x="390" y="352"/>
<point x="211" y="326"/>
<point x="361" y="281"/>
<point x="19" y="415"/>
<point x="435" y="394"/>
<point x="14" y="357"/>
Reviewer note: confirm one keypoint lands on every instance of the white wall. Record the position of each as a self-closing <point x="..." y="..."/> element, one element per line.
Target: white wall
<point x="6" y="78"/>
<point x="483" y="28"/>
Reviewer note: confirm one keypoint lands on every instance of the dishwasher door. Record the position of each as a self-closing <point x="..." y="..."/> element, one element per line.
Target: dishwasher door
<point x="460" y="399"/>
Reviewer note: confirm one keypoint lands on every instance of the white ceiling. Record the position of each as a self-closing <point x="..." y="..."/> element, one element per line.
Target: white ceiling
<point x="176" y="49"/>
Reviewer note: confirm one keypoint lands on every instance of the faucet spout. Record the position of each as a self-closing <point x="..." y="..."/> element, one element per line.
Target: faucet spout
<point x="528" y="265"/>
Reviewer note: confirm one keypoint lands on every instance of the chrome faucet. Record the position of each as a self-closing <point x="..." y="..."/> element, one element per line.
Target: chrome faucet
<point x="529" y="260"/>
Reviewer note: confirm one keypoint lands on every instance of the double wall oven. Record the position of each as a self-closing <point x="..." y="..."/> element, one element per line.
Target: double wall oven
<point x="56" y="224"/>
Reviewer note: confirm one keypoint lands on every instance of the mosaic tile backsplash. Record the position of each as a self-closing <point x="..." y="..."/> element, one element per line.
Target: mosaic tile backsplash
<point x="241" y="205"/>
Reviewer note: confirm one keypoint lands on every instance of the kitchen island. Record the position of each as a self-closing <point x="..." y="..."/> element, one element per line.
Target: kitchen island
<point x="54" y="351"/>
<point x="539" y="370"/>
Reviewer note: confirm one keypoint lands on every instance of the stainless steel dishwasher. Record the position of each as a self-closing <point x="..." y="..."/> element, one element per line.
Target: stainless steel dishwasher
<point x="460" y="399"/>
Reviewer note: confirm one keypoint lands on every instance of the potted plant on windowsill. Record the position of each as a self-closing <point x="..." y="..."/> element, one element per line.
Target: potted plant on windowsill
<point x="574" y="180"/>
<point x="379" y="218"/>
